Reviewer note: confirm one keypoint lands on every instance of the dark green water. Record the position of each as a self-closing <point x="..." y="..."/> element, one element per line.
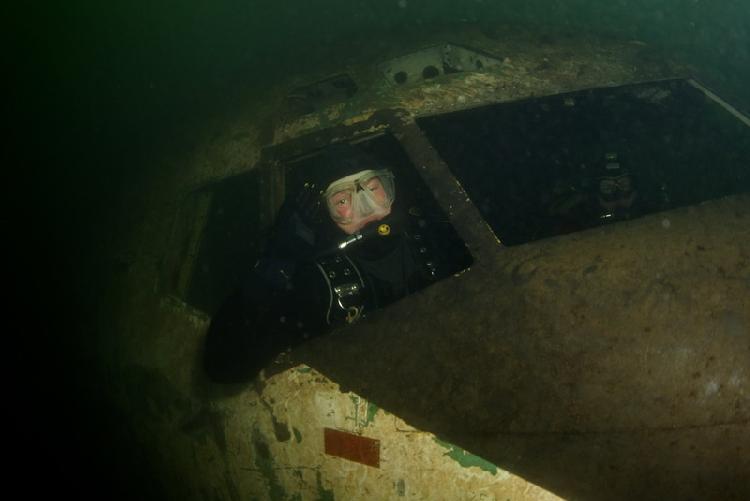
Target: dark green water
<point x="125" y="74"/>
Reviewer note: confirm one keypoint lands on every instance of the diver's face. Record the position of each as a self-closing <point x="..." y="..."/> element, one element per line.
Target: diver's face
<point x="344" y="212"/>
<point x="342" y="204"/>
<point x="342" y="200"/>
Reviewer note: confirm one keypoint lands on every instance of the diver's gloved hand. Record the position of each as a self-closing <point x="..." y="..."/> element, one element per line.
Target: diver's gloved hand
<point x="293" y="236"/>
<point x="308" y="203"/>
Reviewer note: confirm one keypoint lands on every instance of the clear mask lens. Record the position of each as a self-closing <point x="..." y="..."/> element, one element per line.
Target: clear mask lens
<point x="359" y="196"/>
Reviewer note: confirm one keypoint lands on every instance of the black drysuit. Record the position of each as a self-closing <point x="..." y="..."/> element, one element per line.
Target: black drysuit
<point x="286" y="298"/>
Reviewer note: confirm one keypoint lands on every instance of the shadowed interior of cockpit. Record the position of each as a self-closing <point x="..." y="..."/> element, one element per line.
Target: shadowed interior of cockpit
<point x="564" y="163"/>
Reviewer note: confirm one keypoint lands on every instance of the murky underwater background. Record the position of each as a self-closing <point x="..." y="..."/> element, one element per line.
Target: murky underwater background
<point x="106" y="86"/>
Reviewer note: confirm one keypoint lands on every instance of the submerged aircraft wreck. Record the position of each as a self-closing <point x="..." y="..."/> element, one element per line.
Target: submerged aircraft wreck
<point x="606" y="361"/>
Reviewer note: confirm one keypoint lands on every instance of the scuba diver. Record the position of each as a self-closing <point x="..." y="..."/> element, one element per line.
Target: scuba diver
<point x="609" y="195"/>
<point x="342" y="247"/>
<point x="616" y="192"/>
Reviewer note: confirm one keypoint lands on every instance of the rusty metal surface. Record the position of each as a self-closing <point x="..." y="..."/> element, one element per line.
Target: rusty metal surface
<point x="609" y="364"/>
<point x="529" y="69"/>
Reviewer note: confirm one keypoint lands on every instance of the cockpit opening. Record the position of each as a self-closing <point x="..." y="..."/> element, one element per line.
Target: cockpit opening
<point x="555" y="165"/>
<point x="224" y="229"/>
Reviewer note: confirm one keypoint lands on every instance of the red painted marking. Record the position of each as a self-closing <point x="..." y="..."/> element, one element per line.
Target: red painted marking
<point x="352" y="447"/>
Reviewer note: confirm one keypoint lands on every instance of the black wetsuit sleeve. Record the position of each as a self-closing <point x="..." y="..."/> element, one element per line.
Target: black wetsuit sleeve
<point x="276" y="307"/>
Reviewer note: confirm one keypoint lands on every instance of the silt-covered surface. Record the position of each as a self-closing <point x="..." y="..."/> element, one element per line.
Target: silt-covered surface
<point x="607" y="364"/>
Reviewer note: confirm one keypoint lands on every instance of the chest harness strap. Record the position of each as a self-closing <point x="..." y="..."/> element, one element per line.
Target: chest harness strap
<point x="345" y="288"/>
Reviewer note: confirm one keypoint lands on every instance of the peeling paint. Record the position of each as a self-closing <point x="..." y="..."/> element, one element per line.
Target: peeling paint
<point x="401" y="487"/>
<point x="372" y="409"/>
<point x="323" y="493"/>
<point x="363" y="410"/>
<point x="297" y="435"/>
<point x="466" y="459"/>
<point x="265" y="464"/>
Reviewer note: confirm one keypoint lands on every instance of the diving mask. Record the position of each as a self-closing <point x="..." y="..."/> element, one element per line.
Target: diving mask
<point x="356" y="200"/>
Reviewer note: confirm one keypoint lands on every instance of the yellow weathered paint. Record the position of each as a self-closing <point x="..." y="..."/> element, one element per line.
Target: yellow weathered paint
<point x="413" y="464"/>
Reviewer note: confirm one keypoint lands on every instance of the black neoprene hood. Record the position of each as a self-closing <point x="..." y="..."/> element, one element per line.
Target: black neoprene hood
<point x="341" y="160"/>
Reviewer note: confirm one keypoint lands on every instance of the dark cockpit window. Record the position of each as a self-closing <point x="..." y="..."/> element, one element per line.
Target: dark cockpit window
<point x="560" y="164"/>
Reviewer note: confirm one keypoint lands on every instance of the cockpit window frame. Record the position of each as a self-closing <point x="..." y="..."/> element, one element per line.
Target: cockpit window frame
<point x="624" y="88"/>
<point x="461" y="212"/>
